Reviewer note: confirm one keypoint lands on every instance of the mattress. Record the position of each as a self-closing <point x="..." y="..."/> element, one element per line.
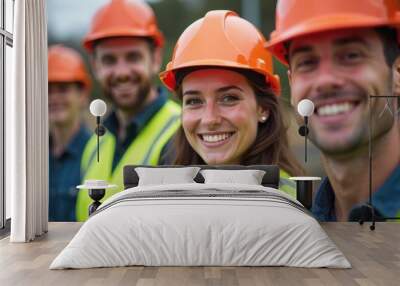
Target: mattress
<point x="201" y="225"/>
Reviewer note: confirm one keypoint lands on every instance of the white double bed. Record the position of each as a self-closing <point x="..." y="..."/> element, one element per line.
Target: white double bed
<point x="201" y="224"/>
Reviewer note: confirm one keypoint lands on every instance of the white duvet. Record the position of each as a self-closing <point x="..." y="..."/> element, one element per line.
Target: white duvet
<point x="201" y="224"/>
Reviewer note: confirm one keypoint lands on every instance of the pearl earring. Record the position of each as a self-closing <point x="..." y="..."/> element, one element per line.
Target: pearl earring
<point x="263" y="118"/>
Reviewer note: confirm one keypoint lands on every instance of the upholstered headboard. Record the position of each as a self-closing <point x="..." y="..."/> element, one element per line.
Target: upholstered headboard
<point x="270" y="179"/>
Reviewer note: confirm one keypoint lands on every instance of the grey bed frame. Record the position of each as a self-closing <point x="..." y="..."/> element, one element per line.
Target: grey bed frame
<point x="270" y="179"/>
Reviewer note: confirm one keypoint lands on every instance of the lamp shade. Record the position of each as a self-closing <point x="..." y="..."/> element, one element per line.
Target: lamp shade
<point x="98" y="107"/>
<point x="305" y="107"/>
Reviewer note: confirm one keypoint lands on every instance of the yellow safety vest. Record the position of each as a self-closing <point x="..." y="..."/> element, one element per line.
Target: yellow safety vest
<point x="285" y="185"/>
<point x="145" y="149"/>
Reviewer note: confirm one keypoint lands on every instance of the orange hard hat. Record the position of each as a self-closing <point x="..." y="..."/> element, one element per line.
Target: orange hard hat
<point x="221" y="39"/>
<point x="296" y="18"/>
<point x="121" y="18"/>
<point x="66" y="65"/>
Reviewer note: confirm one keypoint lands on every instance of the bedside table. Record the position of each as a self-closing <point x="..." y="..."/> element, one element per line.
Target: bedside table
<point x="304" y="189"/>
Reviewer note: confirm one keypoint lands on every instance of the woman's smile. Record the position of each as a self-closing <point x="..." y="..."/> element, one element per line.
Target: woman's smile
<point x="215" y="139"/>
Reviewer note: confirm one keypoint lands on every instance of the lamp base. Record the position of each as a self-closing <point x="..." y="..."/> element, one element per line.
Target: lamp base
<point x="367" y="213"/>
<point x="96" y="195"/>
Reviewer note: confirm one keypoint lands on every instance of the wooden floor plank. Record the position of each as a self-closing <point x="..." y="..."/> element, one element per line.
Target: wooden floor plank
<point x="375" y="257"/>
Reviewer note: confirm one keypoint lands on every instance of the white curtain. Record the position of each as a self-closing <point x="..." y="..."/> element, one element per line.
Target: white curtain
<point x="27" y="124"/>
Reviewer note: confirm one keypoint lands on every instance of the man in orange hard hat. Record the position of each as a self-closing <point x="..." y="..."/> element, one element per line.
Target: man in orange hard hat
<point x="125" y="47"/>
<point x="69" y="88"/>
<point x="340" y="53"/>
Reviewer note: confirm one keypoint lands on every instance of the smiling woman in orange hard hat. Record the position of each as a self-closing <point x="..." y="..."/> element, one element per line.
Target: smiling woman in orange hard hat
<point x="69" y="88"/>
<point x="231" y="113"/>
<point x="339" y="53"/>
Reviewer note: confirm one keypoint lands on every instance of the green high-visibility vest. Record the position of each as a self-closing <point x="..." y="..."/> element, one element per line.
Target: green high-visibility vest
<point x="145" y="149"/>
<point x="285" y="185"/>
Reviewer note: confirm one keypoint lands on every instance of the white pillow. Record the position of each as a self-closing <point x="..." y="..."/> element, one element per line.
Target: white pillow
<point x="248" y="177"/>
<point x="163" y="176"/>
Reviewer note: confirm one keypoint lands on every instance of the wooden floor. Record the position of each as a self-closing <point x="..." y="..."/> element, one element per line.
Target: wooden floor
<point x="374" y="255"/>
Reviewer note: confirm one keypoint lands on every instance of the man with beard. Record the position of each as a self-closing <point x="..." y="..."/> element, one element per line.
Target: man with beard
<point x="69" y="89"/>
<point x="339" y="53"/>
<point x="125" y="47"/>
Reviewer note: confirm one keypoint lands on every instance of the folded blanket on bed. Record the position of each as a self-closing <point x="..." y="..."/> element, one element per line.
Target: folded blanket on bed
<point x="201" y="224"/>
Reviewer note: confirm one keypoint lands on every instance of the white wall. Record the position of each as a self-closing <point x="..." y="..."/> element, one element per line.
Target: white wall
<point x="8" y="85"/>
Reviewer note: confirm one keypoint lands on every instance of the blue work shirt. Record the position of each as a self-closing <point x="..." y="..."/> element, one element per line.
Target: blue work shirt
<point x="64" y="176"/>
<point x="386" y="200"/>
<point x="137" y="123"/>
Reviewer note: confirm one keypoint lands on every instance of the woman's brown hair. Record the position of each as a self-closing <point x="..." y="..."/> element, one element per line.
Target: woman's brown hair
<point x="271" y="144"/>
